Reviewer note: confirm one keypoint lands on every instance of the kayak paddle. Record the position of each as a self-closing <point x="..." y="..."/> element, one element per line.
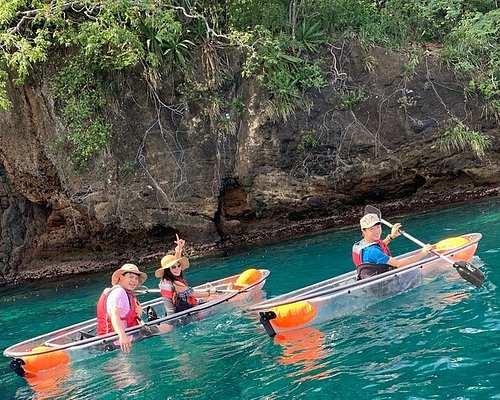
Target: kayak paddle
<point x="144" y="290"/>
<point x="465" y="269"/>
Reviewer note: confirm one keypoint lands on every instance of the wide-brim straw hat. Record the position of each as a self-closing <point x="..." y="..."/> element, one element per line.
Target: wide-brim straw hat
<point x="168" y="261"/>
<point x="132" y="268"/>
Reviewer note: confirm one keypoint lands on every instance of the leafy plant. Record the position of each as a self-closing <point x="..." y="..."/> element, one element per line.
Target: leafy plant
<point x="349" y="98"/>
<point x="410" y="67"/>
<point x="247" y="15"/>
<point x="82" y="99"/>
<point x="473" y="48"/>
<point x="307" y="142"/>
<point x="309" y="36"/>
<point x="286" y="76"/>
<point x="461" y="137"/>
<point x="177" y="51"/>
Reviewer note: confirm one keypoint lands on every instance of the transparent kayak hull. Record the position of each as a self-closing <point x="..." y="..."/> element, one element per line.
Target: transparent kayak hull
<point x="80" y="341"/>
<point x="344" y="294"/>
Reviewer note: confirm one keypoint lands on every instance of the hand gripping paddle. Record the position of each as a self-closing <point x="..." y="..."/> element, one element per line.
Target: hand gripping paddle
<point x="465" y="269"/>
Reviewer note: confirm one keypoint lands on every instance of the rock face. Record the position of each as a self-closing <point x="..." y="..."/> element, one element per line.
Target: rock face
<point x="168" y="170"/>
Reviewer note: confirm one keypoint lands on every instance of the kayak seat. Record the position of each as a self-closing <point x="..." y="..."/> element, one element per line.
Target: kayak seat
<point x="151" y="313"/>
<point x="85" y="335"/>
<point x="366" y="270"/>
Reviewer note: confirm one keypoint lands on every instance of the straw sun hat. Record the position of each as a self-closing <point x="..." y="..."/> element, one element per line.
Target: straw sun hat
<point x="168" y="261"/>
<point x="128" y="268"/>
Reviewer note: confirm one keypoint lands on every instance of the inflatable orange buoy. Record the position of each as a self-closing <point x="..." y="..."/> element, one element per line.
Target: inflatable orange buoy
<point x="294" y="314"/>
<point x="446" y="245"/>
<point x="451" y="243"/>
<point x="246" y="278"/>
<point x="39" y="362"/>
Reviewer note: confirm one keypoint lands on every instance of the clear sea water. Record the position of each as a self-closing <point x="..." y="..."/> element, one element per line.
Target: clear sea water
<point x="438" y="341"/>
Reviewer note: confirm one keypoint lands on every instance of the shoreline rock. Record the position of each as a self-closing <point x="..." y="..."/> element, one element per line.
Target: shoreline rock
<point x="293" y="230"/>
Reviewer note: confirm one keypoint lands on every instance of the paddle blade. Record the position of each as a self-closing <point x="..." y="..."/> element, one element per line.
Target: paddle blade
<point x="469" y="272"/>
<point x="372" y="210"/>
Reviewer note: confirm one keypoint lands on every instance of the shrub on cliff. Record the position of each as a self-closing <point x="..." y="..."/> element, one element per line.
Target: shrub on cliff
<point x="93" y="41"/>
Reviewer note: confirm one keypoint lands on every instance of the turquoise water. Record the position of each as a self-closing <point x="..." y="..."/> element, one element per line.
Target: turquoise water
<point x="438" y="341"/>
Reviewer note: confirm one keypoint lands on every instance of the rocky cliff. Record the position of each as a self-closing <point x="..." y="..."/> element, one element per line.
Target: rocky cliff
<point x="168" y="170"/>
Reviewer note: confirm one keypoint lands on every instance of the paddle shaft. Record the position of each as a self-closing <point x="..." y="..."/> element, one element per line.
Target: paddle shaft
<point x="216" y="291"/>
<point x="415" y="240"/>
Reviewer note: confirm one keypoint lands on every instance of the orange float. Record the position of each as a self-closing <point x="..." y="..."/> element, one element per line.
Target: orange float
<point x="247" y="278"/>
<point x="450" y="244"/>
<point x="294" y="314"/>
<point x="39" y="362"/>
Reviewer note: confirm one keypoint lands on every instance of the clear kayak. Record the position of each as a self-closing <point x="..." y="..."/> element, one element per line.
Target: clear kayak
<point x="344" y="294"/>
<point x="79" y="341"/>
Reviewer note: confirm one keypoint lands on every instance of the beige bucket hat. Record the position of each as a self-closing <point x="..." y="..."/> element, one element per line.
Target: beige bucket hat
<point x="132" y="268"/>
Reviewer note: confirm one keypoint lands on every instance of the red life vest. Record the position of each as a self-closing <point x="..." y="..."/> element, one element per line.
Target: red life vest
<point x="191" y="300"/>
<point x="358" y="248"/>
<point x="104" y="324"/>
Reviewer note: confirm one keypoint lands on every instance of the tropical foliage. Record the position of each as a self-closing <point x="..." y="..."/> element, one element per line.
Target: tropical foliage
<point x="89" y="42"/>
<point x="459" y="137"/>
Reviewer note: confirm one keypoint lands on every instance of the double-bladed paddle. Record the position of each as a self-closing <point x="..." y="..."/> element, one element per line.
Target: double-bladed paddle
<point x="465" y="269"/>
<point x="144" y="290"/>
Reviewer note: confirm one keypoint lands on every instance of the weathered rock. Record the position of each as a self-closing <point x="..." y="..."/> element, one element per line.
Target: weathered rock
<point x="167" y="170"/>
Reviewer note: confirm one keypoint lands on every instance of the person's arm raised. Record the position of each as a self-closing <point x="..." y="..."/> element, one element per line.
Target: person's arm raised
<point x="179" y="246"/>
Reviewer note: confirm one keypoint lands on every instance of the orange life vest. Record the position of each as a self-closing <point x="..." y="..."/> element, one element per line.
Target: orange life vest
<point x="104" y="324"/>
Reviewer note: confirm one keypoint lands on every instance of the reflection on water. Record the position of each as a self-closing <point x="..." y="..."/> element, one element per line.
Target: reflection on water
<point x="121" y="371"/>
<point x="304" y="348"/>
<point x="50" y="384"/>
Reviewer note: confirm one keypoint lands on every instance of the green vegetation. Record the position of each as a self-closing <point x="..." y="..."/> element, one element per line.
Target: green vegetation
<point x="474" y="49"/>
<point x="308" y="141"/>
<point x="82" y="97"/>
<point x="280" y="41"/>
<point x="349" y="98"/>
<point x="460" y="137"/>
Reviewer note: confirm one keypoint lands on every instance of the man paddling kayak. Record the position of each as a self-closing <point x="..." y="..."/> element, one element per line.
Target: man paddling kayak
<point x="372" y="255"/>
<point x="118" y="308"/>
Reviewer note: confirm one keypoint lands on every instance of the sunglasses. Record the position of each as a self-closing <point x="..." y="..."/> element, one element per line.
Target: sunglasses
<point x="176" y="265"/>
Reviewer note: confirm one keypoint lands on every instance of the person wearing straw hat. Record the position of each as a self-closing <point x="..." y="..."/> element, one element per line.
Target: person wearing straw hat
<point x="372" y="255"/>
<point x="176" y="293"/>
<point x="118" y="308"/>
